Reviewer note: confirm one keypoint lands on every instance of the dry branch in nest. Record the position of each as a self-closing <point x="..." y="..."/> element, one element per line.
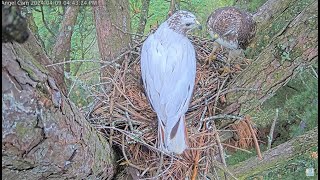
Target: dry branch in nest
<point x="244" y="136"/>
<point x="125" y="116"/>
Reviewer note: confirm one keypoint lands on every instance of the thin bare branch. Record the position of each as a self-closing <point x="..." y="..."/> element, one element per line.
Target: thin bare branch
<point x="270" y="137"/>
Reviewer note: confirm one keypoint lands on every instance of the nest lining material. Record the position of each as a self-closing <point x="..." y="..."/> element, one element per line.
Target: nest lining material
<point x="126" y="119"/>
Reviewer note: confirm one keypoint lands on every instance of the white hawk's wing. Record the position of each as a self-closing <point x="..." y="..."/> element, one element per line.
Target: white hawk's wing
<point x="168" y="72"/>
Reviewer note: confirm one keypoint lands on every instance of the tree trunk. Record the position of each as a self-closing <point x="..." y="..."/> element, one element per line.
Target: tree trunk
<point x="43" y="134"/>
<point x="292" y="47"/>
<point x="273" y="18"/>
<point x="34" y="28"/>
<point x="40" y="57"/>
<point x="277" y="156"/>
<point x="143" y="16"/>
<point x="174" y="6"/>
<point x="270" y="10"/>
<point x="62" y="47"/>
<point x="112" y="21"/>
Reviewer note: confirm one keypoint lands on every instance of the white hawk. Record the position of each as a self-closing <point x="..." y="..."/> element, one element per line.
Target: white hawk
<point x="168" y="67"/>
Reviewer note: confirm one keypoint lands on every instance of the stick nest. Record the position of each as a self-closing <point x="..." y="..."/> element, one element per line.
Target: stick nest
<point x="124" y="115"/>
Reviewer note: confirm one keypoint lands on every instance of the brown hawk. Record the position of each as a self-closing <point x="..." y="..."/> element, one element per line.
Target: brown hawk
<point x="231" y="28"/>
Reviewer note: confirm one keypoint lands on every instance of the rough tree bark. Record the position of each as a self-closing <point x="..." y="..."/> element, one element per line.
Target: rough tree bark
<point x="62" y="47"/>
<point x="43" y="134"/>
<point x="292" y="44"/>
<point x="277" y="156"/>
<point x="269" y="10"/>
<point x="112" y="20"/>
<point x="39" y="56"/>
<point x="273" y="18"/>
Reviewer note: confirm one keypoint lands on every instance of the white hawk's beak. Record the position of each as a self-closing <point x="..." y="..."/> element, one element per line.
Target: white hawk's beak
<point x="199" y="25"/>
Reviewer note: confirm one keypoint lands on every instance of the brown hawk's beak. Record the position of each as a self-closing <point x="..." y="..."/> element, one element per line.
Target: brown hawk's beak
<point x="215" y="37"/>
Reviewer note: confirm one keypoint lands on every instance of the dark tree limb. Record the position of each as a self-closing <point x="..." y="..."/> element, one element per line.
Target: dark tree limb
<point x="143" y="16"/>
<point x="174" y="6"/>
<point x="112" y="20"/>
<point x="45" y="22"/>
<point x="277" y="156"/>
<point x="34" y="28"/>
<point x="62" y="47"/>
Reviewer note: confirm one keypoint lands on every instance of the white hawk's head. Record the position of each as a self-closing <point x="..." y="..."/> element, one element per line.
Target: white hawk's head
<point x="183" y="21"/>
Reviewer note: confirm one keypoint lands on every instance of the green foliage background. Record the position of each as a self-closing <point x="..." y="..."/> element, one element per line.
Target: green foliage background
<point x="158" y="10"/>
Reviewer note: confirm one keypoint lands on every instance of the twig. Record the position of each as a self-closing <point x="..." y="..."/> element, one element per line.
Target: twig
<point x="254" y="137"/>
<point x="125" y="32"/>
<point x="126" y="158"/>
<point x="223" y="116"/>
<point x="133" y="137"/>
<point x="314" y="72"/>
<point x="75" y="61"/>
<point x="202" y="119"/>
<point x="45" y="23"/>
<point x="236" y="148"/>
<point x="148" y="169"/>
<point x="160" y="164"/>
<point x="220" y="147"/>
<point x="206" y="168"/>
<point x="196" y="160"/>
<point x="216" y="173"/>
<point x="71" y="88"/>
<point x="111" y="134"/>
<point x="129" y="121"/>
<point x="159" y="175"/>
<point x="203" y="147"/>
<point x="126" y="64"/>
<point x="132" y="112"/>
<point x="270" y="137"/>
<point x="222" y="167"/>
<point x="121" y="92"/>
<point x="108" y="63"/>
<point x="111" y="113"/>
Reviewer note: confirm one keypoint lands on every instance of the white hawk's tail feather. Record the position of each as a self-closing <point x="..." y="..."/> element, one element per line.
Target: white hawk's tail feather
<point x="173" y="137"/>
